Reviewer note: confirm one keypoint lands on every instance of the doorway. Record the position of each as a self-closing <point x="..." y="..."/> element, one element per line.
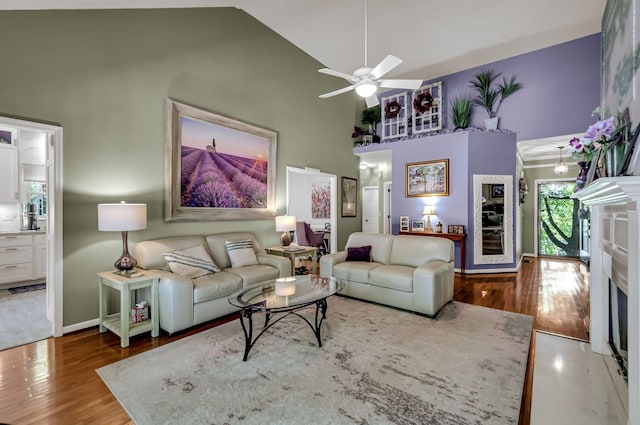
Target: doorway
<point x="560" y="220"/>
<point x="47" y="245"/>
<point x="371" y="209"/>
<point x="303" y="185"/>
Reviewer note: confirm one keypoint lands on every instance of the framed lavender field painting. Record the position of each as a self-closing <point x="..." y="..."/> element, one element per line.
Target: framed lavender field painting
<point x="217" y="168"/>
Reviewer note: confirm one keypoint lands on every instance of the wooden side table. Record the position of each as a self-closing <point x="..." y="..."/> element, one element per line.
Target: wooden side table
<point x="291" y="254"/>
<point x="121" y="323"/>
<point x="455" y="237"/>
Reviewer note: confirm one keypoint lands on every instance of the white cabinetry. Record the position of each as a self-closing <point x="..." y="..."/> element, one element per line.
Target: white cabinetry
<point x="39" y="256"/>
<point x="16" y="258"/>
<point x="8" y="174"/>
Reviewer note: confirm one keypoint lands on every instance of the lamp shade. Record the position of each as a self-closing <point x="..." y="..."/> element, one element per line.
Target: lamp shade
<point x="285" y="223"/>
<point x="429" y="210"/>
<point x="122" y="217"/>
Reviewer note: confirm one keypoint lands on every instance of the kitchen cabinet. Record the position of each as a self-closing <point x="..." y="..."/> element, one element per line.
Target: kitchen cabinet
<point x="8" y="174"/>
<point x="16" y="258"/>
<point x="39" y="256"/>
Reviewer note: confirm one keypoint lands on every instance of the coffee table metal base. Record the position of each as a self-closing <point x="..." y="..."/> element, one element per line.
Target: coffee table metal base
<point x="247" y="313"/>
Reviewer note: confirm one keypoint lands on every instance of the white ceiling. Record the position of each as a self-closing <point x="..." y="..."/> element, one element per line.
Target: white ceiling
<point x="434" y="38"/>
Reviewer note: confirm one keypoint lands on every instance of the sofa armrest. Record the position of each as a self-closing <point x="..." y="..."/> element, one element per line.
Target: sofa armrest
<point x="175" y="301"/>
<point x="327" y="262"/>
<point x="432" y="286"/>
<point x="281" y="263"/>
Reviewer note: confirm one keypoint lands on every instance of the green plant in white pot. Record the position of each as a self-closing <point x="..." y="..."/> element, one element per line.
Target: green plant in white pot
<point x="491" y="96"/>
<point x="461" y="112"/>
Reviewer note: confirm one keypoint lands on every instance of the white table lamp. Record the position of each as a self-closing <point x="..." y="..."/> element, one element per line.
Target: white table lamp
<point x="123" y="218"/>
<point x="428" y="210"/>
<point x="285" y="224"/>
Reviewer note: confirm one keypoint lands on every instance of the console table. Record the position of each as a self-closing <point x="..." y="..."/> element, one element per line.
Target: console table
<point x="455" y="237"/>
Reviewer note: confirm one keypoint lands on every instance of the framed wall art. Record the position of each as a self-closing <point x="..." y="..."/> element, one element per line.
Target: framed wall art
<point x="349" y="197"/>
<point x="426" y="113"/>
<point x="497" y="191"/>
<point x="429" y="178"/>
<point x="417" y="225"/>
<point x="394" y="116"/>
<point x="217" y="168"/>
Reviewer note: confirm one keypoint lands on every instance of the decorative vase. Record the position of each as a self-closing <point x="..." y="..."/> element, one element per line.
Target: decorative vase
<point x="582" y="175"/>
<point x="491" y="123"/>
<point x="613" y="157"/>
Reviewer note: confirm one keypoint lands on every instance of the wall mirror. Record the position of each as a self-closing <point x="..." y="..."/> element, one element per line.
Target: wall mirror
<point x="492" y="219"/>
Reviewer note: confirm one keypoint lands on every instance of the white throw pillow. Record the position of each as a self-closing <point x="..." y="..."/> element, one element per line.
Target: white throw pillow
<point x="191" y="262"/>
<point x="241" y="253"/>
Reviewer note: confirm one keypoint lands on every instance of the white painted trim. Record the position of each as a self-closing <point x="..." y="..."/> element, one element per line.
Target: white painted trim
<point x="54" y="220"/>
<point x="527" y="254"/>
<point x="550" y="165"/>
<point x="387" y="213"/>
<point x="487" y="271"/>
<point x="80" y="326"/>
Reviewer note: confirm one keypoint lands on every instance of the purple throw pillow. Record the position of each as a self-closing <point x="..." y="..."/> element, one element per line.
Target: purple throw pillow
<point x="359" y="253"/>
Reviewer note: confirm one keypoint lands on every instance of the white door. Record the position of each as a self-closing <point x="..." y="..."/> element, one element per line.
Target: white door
<point x="386" y="206"/>
<point x="370" y="209"/>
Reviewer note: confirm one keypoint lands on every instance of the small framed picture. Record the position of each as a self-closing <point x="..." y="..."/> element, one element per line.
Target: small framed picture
<point x="460" y="230"/>
<point x="404" y="223"/>
<point x="497" y="191"/>
<point x="417" y="225"/>
<point x="327" y="227"/>
<point x="450" y="228"/>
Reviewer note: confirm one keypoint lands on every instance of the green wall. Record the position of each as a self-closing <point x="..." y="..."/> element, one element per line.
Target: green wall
<point x="104" y="76"/>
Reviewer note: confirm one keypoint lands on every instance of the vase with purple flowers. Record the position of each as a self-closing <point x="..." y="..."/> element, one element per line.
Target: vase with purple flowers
<point x="581" y="180"/>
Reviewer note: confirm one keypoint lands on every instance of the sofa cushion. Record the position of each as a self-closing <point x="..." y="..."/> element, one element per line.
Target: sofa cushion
<point x="149" y="253"/>
<point x="255" y="274"/>
<point x="399" y="278"/>
<point x="359" y="253"/>
<point x="191" y="262"/>
<point x="241" y="253"/>
<point x="218" y="248"/>
<point x="380" y="244"/>
<point x="415" y="251"/>
<point x="213" y="286"/>
<point x="354" y="271"/>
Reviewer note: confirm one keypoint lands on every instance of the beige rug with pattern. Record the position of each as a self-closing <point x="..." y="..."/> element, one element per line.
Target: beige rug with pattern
<point x="377" y="365"/>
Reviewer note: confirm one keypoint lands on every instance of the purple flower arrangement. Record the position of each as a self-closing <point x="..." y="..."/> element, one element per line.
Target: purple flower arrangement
<point x="602" y="134"/>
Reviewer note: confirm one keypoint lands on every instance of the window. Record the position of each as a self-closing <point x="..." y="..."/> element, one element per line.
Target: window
<point x="37" y="194"/>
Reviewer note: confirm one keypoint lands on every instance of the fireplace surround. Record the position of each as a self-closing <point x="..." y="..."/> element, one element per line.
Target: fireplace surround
<point x="615" y="255"/>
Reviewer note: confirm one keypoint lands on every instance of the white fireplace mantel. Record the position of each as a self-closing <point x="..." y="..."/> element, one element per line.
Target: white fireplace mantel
<point x="615" y="254"/>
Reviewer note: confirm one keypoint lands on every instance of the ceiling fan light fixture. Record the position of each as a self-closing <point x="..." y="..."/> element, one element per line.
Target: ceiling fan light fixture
<point x="366" y="88"/>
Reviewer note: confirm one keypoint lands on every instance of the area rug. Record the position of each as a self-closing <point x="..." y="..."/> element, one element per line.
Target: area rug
<point x="377" y="365"/>
<point x="28" y="288"/>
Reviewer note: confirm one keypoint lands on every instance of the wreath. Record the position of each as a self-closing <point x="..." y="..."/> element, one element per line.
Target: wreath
<point x="423" y="102"/>
<point x="392" y="109"/>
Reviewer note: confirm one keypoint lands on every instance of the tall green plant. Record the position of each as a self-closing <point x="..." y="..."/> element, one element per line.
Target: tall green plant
<point x="461" y="112"/>
<point x="372" y="117"/>
<point x="490" y="96"/>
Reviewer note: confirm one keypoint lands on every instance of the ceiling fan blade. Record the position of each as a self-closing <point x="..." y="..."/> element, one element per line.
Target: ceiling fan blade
<point x="339" y="74"/>
<point x="401" y="84"/>
<point x="372" y="101"/>
<point x="385" y="66"/>
<point x="336" y="92"/>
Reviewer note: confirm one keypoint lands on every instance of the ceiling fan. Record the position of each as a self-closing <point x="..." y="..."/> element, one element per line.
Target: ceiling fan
<point x="366" y="80"/>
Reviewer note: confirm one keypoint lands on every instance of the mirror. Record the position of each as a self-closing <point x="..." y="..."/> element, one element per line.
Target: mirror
<point x="492" y="219"/>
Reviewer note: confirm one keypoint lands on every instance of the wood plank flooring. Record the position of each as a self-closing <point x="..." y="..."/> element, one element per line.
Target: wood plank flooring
<point x="54" y="381"/>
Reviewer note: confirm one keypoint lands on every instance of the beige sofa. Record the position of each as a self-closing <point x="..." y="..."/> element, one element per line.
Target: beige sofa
<point x="185" y="302"/>
<point x="409" y="272"/>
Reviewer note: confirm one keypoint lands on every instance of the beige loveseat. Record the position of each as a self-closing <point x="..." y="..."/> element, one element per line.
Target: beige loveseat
<point x="185" y="302"/>
<point x="410" y="272"/>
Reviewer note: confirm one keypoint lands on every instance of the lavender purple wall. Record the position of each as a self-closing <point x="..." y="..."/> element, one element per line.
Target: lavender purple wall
<point x="561" y="89"/>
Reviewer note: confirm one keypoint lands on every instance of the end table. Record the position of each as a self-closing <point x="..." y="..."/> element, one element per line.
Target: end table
<point x="120" y="323"/>
<point x="292" y="253"/>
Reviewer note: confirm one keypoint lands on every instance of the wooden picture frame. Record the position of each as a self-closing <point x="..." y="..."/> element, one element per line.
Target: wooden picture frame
<point x="417" y="225"/>
<point x="349" y="197"/>
<point x="217" y="168"/>
<point x="427" y="178"/>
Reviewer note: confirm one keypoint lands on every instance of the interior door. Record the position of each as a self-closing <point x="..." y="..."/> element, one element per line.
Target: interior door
<point x="560" y="222"/>
<point x="370" y="209"/>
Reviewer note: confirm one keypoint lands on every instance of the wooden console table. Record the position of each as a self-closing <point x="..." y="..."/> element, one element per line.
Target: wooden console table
<point x="455" y="237"/>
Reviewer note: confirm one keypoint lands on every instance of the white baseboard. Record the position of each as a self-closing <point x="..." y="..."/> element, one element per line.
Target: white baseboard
<point x="526" y="254"/>
<point x="80" y="326"/>
<point x="487" y="271"/>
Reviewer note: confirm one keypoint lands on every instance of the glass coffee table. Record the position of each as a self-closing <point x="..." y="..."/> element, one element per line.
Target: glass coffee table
<point x="286" y="296"/>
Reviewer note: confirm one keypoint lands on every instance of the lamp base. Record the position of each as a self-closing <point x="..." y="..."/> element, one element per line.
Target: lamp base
<point x="126" y="263"/>
<point x="285" y="239"/>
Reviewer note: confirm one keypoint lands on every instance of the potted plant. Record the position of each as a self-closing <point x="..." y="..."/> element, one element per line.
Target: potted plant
<point x="490" y="96"/>
<point x="461" y="112"/>
<point x="371" y="116"/>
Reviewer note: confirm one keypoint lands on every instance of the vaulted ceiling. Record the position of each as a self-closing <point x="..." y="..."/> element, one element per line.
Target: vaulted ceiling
<point x="434" y="38"/>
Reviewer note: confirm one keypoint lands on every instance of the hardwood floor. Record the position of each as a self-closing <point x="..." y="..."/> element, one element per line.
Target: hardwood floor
<point x="54" y="381"/>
